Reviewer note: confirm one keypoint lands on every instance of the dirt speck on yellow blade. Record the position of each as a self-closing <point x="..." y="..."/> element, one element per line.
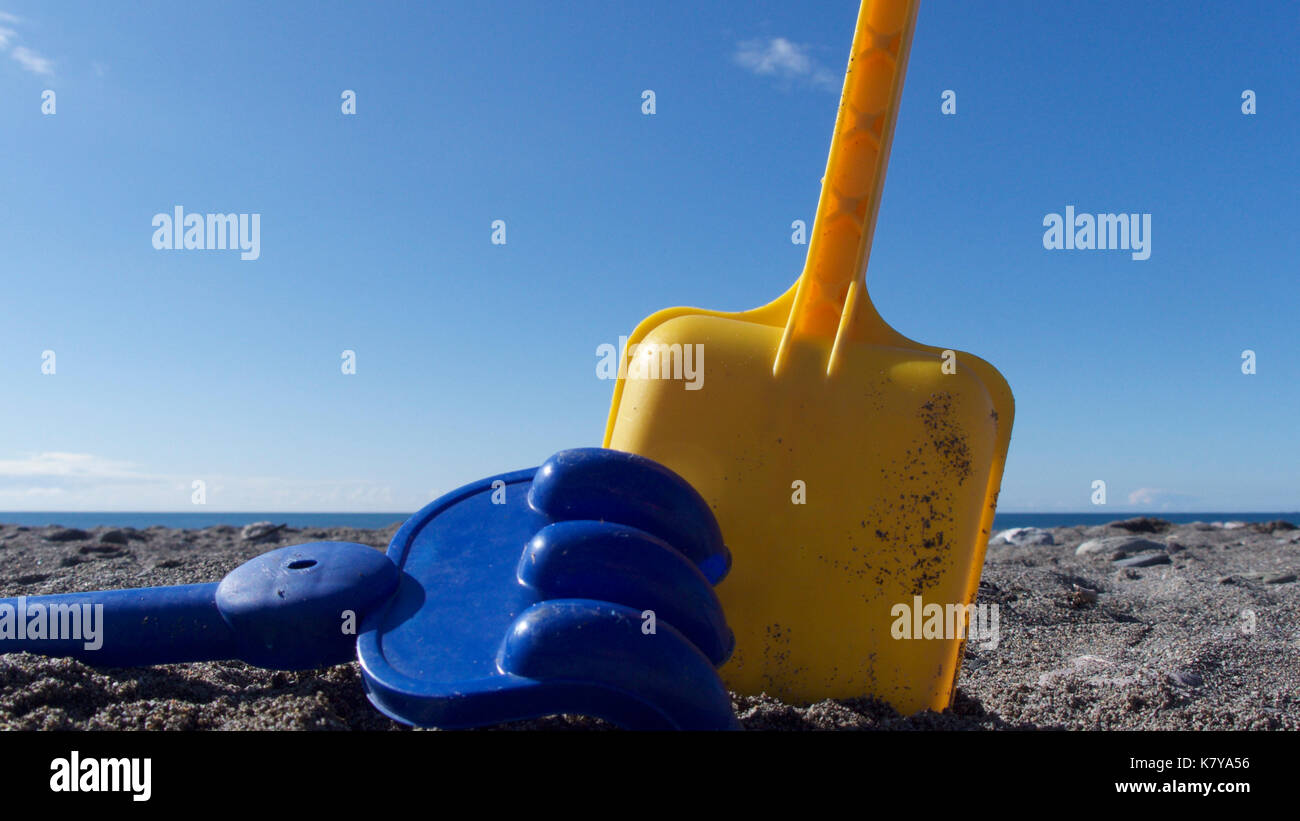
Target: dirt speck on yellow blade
<point x="853" y="471"/>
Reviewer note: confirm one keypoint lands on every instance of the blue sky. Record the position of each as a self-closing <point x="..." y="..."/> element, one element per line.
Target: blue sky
<point x="474" y="358"/>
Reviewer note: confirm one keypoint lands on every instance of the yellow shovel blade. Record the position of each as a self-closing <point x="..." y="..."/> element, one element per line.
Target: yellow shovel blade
<point x="853" y="471"/>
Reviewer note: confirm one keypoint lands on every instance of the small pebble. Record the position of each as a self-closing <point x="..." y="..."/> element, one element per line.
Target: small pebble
<point x="259" y="530"/>
<point x="1121" y="545"/>
<point x="1143" y="524"/>
<point x="1186" y="678"/>
<point x="65" y="534"/>
<point x="1145" y="560"/>
<point x="1025" y="536"/>
<point x="1082" y="595"/>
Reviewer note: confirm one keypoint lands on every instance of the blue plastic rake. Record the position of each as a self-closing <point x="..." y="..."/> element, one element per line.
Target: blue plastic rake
<point x="585" y="586"/>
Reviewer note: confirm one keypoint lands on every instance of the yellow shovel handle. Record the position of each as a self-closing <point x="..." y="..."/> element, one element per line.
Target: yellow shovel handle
<point x="855" y="172"/>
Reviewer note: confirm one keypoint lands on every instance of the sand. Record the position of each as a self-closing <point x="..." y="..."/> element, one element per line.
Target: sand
<point x="1210" y="639"/>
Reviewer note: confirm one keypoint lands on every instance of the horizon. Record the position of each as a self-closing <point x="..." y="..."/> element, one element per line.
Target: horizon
<point x="191" y="521"/>
<point x="358" y="339"/>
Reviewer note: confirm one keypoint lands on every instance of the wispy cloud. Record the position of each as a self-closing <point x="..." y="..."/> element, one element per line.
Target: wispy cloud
<point x="30" y="59"/>
<point x="1152" y="497"/>
<point x="66" y="466"/>
<point x="83" y="481"/>
<point x="782" y="59"/>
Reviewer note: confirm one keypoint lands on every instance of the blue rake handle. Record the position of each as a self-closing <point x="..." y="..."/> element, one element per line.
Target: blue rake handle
<point x="295" y="608"/>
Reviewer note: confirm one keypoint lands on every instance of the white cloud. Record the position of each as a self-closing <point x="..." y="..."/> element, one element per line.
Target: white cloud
<point x="778" y="57"/>
<point x="28" y="58"/>
<point x="58" y="481"/>
<point x="66" y="466"/>
<point x="1151" y="497"/>
<point x="32" y="61"/>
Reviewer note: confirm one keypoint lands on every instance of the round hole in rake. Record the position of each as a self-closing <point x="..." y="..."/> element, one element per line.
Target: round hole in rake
<point x="302" y="564"/>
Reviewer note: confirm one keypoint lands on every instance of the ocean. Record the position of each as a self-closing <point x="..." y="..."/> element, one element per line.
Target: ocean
<point x="196" y="521"/>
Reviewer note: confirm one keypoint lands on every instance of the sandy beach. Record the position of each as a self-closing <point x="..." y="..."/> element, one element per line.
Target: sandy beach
<point x="1136" y="625"/>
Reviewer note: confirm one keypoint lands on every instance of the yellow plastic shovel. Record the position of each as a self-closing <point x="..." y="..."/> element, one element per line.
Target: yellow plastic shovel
<point x="853" y="471"/>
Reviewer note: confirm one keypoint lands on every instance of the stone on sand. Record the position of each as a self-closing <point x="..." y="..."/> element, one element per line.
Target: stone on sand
<point x="259" y="531"/>
<point x="1117" y="545"/>
<point x="1143" y="560"/>
<point x="1024" y="536"/>
<point x="1143" y="524"/>
<point x="1186" y="678"/>
<point x="65" y="534"/>
<point x="1275" y="526"/>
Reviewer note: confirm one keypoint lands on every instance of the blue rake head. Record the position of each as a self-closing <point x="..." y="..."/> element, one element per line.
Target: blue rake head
<point x="585" y="586"/>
